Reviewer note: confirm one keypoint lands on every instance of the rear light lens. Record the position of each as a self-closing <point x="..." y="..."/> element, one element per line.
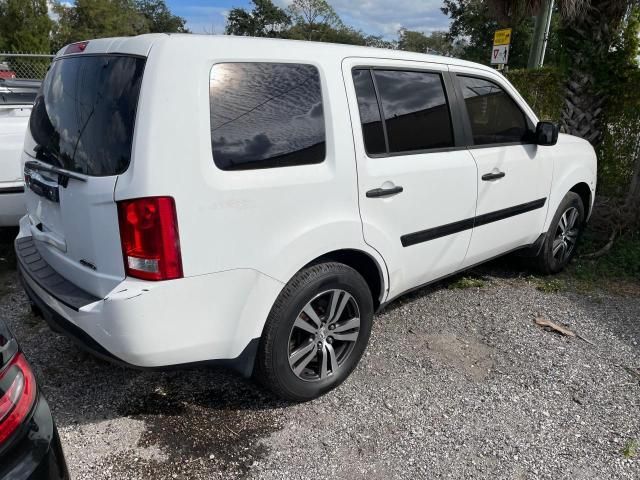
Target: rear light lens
<point x="17" y="395"/>
<point x="150" y="240"/>
<point x="78" y="47"/>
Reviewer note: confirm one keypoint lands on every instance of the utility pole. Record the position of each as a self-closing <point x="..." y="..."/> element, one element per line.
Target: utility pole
<point x="540" y="35"/>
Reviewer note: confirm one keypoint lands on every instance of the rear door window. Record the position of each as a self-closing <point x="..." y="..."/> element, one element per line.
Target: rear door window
<point x="415" y="110"/>
<point x="83" y="117"/>
<point x="494" y="115"/>
<point x="402" y="111"/>
<point x="266" y="115"/>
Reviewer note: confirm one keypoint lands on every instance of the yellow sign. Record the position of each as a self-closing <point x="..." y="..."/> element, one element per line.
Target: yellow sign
<point x="502" y="37"/>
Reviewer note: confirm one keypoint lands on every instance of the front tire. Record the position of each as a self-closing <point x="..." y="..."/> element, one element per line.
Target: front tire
<point x="316" y="332"/>
<point x="563" y="235"/>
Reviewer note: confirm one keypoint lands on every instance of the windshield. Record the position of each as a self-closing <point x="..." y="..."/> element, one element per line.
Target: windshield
<point x="84" y="114"/>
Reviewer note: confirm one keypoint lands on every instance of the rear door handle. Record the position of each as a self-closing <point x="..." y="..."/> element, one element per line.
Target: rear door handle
<point x="493" y="176"/>
<point x="384" y="192"/>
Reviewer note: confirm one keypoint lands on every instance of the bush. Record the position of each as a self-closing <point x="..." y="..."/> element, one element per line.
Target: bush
<point x="543" y="89"/>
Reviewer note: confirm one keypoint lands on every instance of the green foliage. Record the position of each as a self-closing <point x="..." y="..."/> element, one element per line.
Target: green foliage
<point x="313" y="20"/>
<point x="316" y="20"/>
<point x="159" y="17"/>
<point x="466" y="282"/>
<point x="622" y="262"/>
<point x="265" y="20"/>
<point x="314" y="14"/>
<point x="473" y="26"/>
<point x="437" y="43"/>
<point x="543" y="89"/>
<point x="97" y="19"/>
<point x="24" y="26"/>
<point x="619" y="78"/>
<point x="547" y="285"/>
<point x="630" y="449"/>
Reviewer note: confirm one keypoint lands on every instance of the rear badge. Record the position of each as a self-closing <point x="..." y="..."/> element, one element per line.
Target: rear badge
<point x="88" y="264"/>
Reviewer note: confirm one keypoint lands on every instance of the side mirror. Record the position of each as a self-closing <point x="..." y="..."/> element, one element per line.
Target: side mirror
<point x="547" y="133"/>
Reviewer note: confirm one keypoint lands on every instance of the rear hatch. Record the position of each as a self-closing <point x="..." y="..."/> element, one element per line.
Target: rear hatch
<point x="79" y="140"/>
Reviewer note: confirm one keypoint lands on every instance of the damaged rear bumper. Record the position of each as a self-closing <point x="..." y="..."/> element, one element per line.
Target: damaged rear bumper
<point x="215" y="318"/>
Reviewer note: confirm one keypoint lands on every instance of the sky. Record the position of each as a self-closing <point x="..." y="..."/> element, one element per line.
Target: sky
<point x="376" y="17"/>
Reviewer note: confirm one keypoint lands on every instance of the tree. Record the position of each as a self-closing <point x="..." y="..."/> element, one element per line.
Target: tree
<point x="97" y="19"/>
<point x="24" y="26"/>
<point x="437" y="42"/>
<point x="159" y="17"/>
<point x="473" y="26"/>
<point x="304" y="20"/>
<point x="590" y="30"/>
<point x="314" y="20"/>
<point x="265" y="20"/>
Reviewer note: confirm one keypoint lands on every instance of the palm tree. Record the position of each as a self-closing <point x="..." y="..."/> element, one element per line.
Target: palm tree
<point x="590" y="29"/>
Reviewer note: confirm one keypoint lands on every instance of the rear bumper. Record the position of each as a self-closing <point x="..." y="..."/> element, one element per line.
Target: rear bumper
<point x="210" y="318"/>
<point x="12" y="205"/>
<point x="36" y="454"/>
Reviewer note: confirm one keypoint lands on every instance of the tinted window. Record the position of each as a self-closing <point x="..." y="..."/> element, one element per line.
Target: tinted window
<point x="415" y="110"/>
<point x="372" y="130"/>
<point x="494" y="116"/>
<point x="266" y="115"/>
<point x="84" y="115"/>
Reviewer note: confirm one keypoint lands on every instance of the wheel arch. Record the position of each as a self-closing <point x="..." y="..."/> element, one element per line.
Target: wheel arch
<point x="364" y="264"/>
<point x="579" y="180"/>
<point x="583" y="190"/>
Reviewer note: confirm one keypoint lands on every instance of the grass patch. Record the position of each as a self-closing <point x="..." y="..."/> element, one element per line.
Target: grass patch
<point x="549" y="285"/>
<point x="622" y="261"/>
<point x="620" y="265"/>
<point x="630" y="449"/>
<point x="467" y="282"/>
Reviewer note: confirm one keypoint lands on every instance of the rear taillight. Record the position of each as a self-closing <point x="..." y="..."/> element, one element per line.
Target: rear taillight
<point x="150" y="240"/>
<point x="17" y="395"/>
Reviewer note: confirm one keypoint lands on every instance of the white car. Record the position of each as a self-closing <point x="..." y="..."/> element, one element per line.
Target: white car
<point x="16" y="100"/>
<point x="257" y="210"/>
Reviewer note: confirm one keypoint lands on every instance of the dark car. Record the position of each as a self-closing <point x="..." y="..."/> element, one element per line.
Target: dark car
<point x="29" y="442"/>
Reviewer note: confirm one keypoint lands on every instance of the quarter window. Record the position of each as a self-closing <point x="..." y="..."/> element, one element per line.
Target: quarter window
<point x="494" y="116"/>
<point x="266" y="115"/>
<point x="372" y="129"/>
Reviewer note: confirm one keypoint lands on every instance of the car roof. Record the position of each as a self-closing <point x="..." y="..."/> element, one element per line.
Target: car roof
<point x="141" y="45"/>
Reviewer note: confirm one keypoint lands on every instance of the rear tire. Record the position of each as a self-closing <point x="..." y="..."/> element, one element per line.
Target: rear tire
<point x="563" y="235"/>
<point x="316" y="332"/>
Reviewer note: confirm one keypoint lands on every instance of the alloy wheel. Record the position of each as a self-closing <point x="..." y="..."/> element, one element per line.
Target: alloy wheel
<point x="324" y="335"/>
<point x="566" y="236"/>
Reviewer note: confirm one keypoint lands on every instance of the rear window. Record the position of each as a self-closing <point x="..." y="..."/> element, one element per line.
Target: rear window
<point x="84" y="114"/>
<point x="266" y="115"/>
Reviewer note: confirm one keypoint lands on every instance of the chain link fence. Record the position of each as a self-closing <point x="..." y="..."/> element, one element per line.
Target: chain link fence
<point x="32" y="66"/>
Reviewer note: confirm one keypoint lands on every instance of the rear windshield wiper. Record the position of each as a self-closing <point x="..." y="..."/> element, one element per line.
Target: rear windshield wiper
<point x="63" y="175"/>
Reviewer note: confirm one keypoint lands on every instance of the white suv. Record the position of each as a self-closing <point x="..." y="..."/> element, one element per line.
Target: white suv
<point x="257" y="209"/>
<point x="16" y="99"/>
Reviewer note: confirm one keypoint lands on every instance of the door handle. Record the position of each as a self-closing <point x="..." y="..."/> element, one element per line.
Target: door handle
<point x="384" y="192"/>
<point x="493" y="176"/>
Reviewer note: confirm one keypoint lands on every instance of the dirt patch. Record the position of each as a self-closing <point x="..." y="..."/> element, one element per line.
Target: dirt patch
<point x="466" y="355"/>
<point x="216" y="427"/>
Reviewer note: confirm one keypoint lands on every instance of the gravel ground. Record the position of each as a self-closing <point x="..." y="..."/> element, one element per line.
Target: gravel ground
<point x="456" y="383"/>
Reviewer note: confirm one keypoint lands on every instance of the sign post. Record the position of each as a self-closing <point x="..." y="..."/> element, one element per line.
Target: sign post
<point x="500" y="50"/>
